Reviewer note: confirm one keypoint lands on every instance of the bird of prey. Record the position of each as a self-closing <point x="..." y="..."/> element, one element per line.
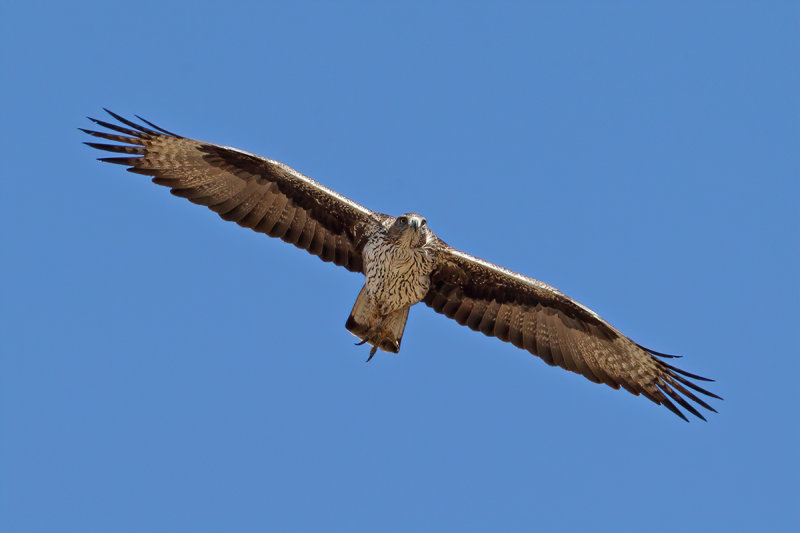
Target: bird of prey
<point x="402" y="260"/>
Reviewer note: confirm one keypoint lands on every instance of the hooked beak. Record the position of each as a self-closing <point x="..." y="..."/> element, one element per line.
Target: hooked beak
<point x="414" y="223"/>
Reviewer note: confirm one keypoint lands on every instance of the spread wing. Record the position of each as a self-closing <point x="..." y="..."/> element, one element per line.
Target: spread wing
<point x="538" y="318"/>
<point x="255" y="192"/>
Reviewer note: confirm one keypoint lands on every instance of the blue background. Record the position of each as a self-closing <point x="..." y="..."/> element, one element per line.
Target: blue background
<point x="165" y="371"/>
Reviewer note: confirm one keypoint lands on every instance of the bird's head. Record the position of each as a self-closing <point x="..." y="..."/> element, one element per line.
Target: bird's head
<point x="409" y="230"/>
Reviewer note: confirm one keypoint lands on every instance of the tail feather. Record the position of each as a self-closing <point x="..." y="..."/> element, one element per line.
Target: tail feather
<point x="364" y="316"/>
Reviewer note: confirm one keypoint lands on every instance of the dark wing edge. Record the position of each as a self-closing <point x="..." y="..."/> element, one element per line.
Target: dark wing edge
<point x="255" y="192"/>
<point x="538" y="318"/>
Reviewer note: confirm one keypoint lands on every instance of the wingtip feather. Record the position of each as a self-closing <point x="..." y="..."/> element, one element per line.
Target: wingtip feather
<point x="159" y="128"/>
<point x="130" y="123"/>
<point x="671" y="406"/>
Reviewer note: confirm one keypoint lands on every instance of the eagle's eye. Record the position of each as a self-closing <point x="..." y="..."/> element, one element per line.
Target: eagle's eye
<point x="403" y="220"/>
<point x="424" y="221"/>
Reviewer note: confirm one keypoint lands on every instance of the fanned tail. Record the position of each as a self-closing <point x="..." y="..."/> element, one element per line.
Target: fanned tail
<point x="364" y="317"/>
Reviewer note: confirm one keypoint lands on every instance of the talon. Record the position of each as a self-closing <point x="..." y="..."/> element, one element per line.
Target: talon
<point x="371" y="353"/>
<point x="360" y="343"/>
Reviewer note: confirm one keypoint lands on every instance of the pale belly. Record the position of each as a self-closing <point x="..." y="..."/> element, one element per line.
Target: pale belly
<point x="396" y="277"/>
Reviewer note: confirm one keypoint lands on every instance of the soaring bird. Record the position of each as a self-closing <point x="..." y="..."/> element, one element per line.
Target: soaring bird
<point x="402" y="260"/>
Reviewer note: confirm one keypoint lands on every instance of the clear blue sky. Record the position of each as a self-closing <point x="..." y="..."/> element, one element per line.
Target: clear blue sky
<point x="165" y="371"/>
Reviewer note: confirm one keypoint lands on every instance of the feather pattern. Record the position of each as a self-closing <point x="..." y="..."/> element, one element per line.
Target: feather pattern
<point x="536" y="317"/>
<point x="257" y="193"/>
<point x="271" y="198"/>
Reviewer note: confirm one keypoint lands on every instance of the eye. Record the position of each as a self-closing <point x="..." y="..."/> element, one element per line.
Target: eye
<point x="424" y="221"/>
<point x="403" y="220"/>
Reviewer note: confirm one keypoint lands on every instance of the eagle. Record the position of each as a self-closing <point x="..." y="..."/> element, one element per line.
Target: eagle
<point x="402" y="260"/>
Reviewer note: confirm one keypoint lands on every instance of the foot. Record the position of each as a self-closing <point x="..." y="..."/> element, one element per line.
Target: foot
<point x="376" y="335"/>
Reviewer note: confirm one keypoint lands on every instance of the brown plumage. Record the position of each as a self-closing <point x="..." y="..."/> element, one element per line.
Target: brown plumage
<point x="403" y="262"/>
